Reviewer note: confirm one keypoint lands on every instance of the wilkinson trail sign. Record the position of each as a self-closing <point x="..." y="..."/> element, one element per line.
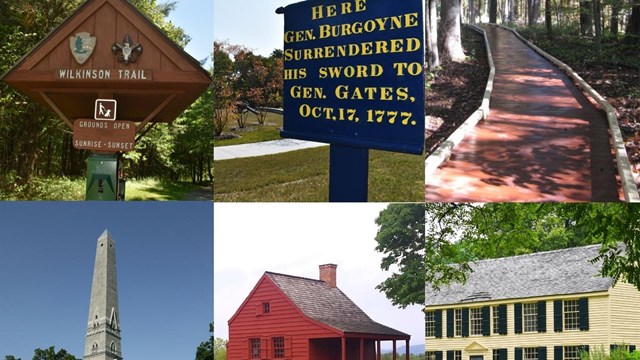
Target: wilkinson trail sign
<point x="110" y="74"/>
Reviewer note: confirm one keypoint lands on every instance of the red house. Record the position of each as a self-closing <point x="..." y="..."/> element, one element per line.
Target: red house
<point x="294" y="318"/>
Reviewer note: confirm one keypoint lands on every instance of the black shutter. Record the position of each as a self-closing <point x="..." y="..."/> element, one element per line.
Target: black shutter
<point x="517" y="353"/>
<point x="465" y="322"/>
<point x="557" y="315"/>
<point x="438" y="325"/>
<point x="502" y="354"/>
<point x="584" y="313"/>
<point x="450" y="355"/>
<point x="632" y="348"/>
<point x="542" y="353"/>
<point x="486" y="321"/>
<point x="542" y="316"/>
<point x="502" y="320"/>
<point x="449" y="323"/>
<point x="557" y="350"/>
<point x="438" y="355"/>
<point x="517" y="318"/>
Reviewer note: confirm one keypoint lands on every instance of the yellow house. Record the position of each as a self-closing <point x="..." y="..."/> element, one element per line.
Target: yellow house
<point x="543" y="306"/>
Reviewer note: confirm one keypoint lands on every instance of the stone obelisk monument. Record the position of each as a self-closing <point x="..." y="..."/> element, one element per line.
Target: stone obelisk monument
<point x="103" y="327"/>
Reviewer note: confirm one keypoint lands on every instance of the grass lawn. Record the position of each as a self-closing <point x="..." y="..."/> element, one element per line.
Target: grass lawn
<point x="154" y="189"/>
<point x="254" y="132"/>
<point x="304" y="176"/>
<point x="64" y="189"/>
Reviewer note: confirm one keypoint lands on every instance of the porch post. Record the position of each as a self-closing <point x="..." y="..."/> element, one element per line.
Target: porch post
<point x="407" y="352"/>
<point x="361" y="348"/>
<point x="344" y="348"/>
<point x="394" y="349"/>
<point x="378" y="354"/>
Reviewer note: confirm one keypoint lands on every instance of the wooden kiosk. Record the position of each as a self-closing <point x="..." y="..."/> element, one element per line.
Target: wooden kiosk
<point x="111" y="75"/>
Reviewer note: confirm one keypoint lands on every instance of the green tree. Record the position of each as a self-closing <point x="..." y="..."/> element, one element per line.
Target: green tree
<point x="193" y="149"/>
<point x="11" y="357"/>
<point x="222" y="91"/>
<point x="220" y="349"/>
<point x="205" y="350"/>
<point x="51" y="354"/>
<point x="400" y="239"/>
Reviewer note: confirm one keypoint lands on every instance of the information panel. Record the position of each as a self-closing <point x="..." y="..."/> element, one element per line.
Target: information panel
<point x="353" y="73"/>
<point x="100" y="135"/>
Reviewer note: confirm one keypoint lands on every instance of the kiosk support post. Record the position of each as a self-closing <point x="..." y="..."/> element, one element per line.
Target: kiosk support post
<point x="348" y="173"/>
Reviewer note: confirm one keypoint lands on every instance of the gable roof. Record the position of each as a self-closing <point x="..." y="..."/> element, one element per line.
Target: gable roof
<point x="173" y="79"/>
<point x="558" y="272"/>
<point x="330" y="306"/>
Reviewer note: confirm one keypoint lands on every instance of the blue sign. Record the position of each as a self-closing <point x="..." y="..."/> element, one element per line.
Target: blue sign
<point x="353" y="73"/>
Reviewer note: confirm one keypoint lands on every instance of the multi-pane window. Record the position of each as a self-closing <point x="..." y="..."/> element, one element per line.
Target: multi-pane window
<point x="496" y="321"/>
<point x="571" y="315"/>
<point x="530" y="354"/>
<point x="430" y="323"/>
<point x="496" y="352"/>
<point x="457" y="316"/>
<point x="475" y="321"/>
<point x="430" y="355"/>
<point x="571" y="353"/>
<point x="530" y="317"/>
<point x="457" y="355"/>
<point x="254" y="348"/>
<point x="266" y="308"/>
<point x="278" y="347"/>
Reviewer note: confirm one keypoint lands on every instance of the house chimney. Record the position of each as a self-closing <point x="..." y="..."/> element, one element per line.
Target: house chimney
<point x="328" y="274"/>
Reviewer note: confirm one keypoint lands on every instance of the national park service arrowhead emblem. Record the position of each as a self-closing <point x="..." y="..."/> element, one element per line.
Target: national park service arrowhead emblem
<point x="82" y="45"/>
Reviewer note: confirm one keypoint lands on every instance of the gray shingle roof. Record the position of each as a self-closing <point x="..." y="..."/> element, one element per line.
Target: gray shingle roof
<point x="320" y="302"/>
<point x="559" y="272"/>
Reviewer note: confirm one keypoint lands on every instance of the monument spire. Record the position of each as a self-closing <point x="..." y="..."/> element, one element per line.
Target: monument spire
<point x="103" y="326"/>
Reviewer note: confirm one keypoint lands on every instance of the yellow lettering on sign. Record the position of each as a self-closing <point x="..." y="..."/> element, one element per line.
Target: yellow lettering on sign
<point x="358" y="71"/>
<point x="303" y="92"/>
<point x="344" y="92"/>
<point x="350" y="50"/>
<point x="321" y="11"/>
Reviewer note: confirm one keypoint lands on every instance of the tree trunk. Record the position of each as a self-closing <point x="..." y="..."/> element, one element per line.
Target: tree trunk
<point x="586" y="20"/>
<point x="493" y="11"/>
<point x="596" y="18"/>
<point x="432" y="34"/>
<point x="472" y="12"/>
<point x="547" y="17"/>
<point x="615" y="11"/>
<point x="633" y="27"/>
<point x="451" y="38"/>
<point x="533" y="11"/>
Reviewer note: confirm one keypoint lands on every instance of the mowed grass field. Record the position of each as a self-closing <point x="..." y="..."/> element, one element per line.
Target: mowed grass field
<point x="303" y="176"/>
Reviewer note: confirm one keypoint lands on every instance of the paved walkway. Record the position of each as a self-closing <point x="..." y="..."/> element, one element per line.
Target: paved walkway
<point x="543" y="140"/>
<point x="262" y="148"/>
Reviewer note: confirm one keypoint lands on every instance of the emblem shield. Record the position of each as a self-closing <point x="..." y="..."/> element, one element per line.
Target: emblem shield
<point x="82" y="45"/>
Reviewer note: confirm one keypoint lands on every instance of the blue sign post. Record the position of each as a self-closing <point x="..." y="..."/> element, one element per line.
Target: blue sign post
<point x="353" y="78"/>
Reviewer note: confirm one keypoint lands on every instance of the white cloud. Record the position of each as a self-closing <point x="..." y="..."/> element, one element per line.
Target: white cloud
<point x="294" y="239"/>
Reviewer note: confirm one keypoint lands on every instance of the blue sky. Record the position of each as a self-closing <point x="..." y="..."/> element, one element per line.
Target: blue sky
<point x="259" y="28"/>
<point x="196" y="18"/>
<point x="164" y="266"/>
